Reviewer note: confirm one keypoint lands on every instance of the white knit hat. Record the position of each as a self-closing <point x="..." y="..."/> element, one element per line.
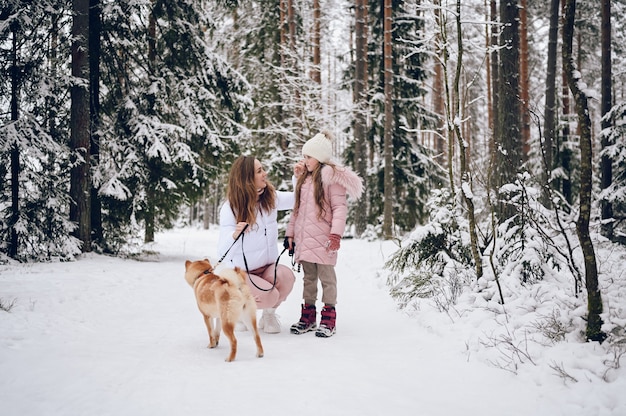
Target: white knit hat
<point x="319" y="147"/>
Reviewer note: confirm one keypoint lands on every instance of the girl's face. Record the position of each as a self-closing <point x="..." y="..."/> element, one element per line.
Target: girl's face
<point x="260" y="177"/>
<point x="311" y="163"/>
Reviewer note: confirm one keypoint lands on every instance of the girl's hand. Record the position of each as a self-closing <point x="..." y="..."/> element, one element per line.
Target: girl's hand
<point x="299" y="168"/>
<point x="239" y="229"/>
<point x="333" y="243"/>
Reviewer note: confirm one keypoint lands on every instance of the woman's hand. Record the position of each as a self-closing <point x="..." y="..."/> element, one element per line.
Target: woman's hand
<point x="239" y="229"/>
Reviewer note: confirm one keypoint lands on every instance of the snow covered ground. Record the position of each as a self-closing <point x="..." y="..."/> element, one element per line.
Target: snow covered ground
<point x="108" y="336"/>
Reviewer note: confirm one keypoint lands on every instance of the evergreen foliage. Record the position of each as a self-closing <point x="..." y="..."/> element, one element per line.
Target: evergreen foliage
<point x="436" y="260"/>
<point x="616" y="193"/>
<point x="217" y="79"/>
<point x="39" y="136"/>
<point x="164" y="126"/>
<point x="43" y="227"/>
<point x="523" y="249"/>
<point x="166" y="120"/>
<point x="252" y="43"/>
<point x="414" y="170"/>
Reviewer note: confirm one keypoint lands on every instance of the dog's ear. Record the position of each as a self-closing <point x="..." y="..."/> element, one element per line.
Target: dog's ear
<point x="187" y="263"/>
<point x="237" y="269"/>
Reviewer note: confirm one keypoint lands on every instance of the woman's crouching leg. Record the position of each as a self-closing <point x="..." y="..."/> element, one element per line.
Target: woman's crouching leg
<point x="285" y="280"/>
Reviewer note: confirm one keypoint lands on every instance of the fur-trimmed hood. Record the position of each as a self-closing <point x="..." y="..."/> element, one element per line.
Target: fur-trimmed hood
<point x="344" y="176"/>
<point x="310" y="228"/>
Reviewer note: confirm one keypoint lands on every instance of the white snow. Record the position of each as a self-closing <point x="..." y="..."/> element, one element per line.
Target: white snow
<point x="108" y="336"/>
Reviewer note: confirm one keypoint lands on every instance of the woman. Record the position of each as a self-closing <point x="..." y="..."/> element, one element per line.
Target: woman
<point x="253" y="202"/>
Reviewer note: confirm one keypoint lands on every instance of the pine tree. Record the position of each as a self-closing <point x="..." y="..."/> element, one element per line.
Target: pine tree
<point x="36" y="220"/>
<point x="80" y="132"/>
<point x="411" y="160"/>
<point x="170" y="114"/>
<point x="509" y="139"/>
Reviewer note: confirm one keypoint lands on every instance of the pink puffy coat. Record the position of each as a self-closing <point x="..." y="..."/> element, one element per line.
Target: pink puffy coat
<point x="311" y="233"/>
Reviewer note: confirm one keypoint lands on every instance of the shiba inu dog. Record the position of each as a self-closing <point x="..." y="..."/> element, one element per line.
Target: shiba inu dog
<point x="223" y="298"/>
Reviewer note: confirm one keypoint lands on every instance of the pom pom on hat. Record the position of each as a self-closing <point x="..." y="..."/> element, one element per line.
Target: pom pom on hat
<point x="320" y="147"/>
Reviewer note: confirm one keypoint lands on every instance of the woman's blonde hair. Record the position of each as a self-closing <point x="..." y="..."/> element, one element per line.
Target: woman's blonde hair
<point x="242" y="194"/>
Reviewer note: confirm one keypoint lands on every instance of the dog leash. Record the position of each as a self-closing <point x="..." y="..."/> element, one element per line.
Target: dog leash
<point x="245" y="262"/>
<point x="231" y="246"/>
<point x="286" y="247"/>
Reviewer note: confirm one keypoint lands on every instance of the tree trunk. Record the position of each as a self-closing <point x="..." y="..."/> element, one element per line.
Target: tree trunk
<point x="494" y="81"/>
<point x="509" y="140"/>
<point x="150" y="212"/>
<point x="292" y="64"/>
<point x="94" y="93"/>
<point x="594" y="298"/>
<point x="606" y="163"/>
<point x="443" y="56"/>
<point x="549" y="131"/>
<point x="388" y="147"/>
<point x="15" y="150"/>
<point x="153" y="177"/>
<point x="291" y="23"/>
<point x="360" y="106"/>
<point x="488" y="29"/>
<point x="565" y="154"/>
<point x="283" y="30"/>
<point x="439" y="94"/>
<point x="80" y="181"/>
<point x="524" y="81"/>
<point x="316" y="74"/>
<point x="466" y="177"/>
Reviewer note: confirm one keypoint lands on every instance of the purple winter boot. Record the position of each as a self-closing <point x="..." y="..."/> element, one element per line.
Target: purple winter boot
<point x="307" y="320"/>
<point x="327" y="324"/>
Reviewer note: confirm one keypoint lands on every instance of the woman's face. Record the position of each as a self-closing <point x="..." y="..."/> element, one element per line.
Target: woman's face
<point x="311" y="163"/>
<point x="260" y="177"/>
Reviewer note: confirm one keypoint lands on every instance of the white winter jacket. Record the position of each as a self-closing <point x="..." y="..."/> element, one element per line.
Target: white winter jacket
<point x="260" y="241"/>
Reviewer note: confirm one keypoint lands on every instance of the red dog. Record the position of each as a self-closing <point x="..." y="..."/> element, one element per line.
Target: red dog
<point x="223" y="297"/>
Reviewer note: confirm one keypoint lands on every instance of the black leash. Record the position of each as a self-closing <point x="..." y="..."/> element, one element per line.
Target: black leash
<point x="286" y="245"/>
<point x="231" y="246"/>
<point x="245" y="262"/>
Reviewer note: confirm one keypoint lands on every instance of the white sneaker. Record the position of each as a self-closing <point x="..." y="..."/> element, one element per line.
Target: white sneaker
<point x="240" y="326"/>
<point x="269" y="321"/>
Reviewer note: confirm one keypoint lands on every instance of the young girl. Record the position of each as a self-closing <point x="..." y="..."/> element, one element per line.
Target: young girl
<point x="316" y="225"/>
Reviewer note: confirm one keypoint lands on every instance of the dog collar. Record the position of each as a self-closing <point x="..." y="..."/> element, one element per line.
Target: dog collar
<point x="207" y="271"/>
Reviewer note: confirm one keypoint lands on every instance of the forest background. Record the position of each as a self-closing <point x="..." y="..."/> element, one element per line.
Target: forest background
<point x="490" y="135"/>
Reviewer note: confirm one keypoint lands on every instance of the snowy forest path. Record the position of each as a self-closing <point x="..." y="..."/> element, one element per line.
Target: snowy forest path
<point x="109" y="336"/>
<point x="380" y="361"/>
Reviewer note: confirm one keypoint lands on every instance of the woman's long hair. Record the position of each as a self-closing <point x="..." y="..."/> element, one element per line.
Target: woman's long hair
<point x="242" y="193"/>
<point x="318" y="189"/>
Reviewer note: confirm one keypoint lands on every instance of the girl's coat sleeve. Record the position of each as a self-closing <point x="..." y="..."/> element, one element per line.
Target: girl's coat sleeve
<point x="285" y="200"/>
<point x="339" y="208"/>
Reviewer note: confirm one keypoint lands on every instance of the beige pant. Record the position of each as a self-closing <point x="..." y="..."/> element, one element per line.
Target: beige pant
<point x="325" y="273"/>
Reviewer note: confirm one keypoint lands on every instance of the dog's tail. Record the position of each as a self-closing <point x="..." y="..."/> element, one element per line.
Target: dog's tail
<point x="233" y="277"/>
